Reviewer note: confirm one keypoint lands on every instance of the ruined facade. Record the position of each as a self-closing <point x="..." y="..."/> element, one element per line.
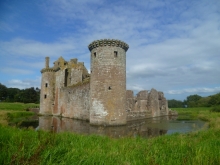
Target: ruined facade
<point x="68" y="90"/>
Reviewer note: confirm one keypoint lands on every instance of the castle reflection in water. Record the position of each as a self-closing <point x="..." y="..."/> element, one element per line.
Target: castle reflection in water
<point x="132" y="129"/>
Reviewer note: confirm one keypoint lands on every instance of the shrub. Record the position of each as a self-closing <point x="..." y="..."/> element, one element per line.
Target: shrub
<point x="215" y="108"/>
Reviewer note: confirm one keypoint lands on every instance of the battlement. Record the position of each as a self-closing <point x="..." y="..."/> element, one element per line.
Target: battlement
<point x="47" y="70"/>
<point x="108" y="42"/>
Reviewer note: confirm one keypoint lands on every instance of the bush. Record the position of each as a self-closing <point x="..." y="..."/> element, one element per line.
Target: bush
<point x="215" y="108"/>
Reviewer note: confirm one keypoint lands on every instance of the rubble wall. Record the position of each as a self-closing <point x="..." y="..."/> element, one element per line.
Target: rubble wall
<point x="145" y="105"/>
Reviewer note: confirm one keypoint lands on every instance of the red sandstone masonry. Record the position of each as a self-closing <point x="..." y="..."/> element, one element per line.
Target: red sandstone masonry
<point x="68" y="90"/>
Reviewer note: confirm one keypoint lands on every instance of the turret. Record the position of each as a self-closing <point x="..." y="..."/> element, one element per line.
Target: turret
<point x="108" y="82"/>
<point x="47" y="89"/>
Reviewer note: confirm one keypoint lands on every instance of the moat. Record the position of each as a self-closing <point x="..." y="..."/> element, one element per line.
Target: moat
<point x="147" y="128"/>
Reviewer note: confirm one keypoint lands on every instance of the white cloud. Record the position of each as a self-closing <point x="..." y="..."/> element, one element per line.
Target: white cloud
<point x="28" y="48"/>
<point x="195" y="90"/>
<point x="22" y="84"/>
<point x="15" y="71"/>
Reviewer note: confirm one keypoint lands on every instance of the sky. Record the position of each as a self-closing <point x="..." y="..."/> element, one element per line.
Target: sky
<point x="174" y="45"/>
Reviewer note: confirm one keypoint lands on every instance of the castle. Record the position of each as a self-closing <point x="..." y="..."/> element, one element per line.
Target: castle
<point x="68" y="90"/>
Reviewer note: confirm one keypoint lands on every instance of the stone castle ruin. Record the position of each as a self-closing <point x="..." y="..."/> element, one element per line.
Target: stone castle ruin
<point x="68" y="90"/>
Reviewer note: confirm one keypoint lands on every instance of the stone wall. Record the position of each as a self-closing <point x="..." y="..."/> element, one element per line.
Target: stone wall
<point x="145" y="104"/>
<point x="68" y="90"/>
<point x="74" y="102"/>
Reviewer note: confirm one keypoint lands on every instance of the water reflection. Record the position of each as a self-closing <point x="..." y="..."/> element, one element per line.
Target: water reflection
<point x="145" y="128"/>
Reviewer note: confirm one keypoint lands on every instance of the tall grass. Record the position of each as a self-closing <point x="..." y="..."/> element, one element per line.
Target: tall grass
<point x="31" y="147"/>
<point x="27" y="146"/>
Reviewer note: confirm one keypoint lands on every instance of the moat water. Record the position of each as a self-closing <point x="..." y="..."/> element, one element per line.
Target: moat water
<point x="145" y="128"/>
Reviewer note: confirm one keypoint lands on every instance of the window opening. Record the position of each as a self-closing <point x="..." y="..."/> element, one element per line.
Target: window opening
<point x="66" y="78"/>
<point x="95" y="54"/>
<point x="46" y="85"/>
<point x="45" y="96"/>
<point x="115" y="54"/>
<point x="109" y="88"/>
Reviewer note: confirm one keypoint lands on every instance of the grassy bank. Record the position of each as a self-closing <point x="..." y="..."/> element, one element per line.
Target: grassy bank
<point x="27" y="146"/>
<point x="14" y="111"/>
<point x="203" y="113"/>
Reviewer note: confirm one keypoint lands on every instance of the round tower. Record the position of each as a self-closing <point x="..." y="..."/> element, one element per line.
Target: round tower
<point x="47" y="89"/>
<point x="108" y="82"/>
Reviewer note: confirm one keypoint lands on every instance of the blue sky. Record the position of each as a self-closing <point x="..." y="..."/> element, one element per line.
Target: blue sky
<point x="174" y="45"/>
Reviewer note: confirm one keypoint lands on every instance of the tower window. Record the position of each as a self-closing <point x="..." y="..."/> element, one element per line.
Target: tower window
<point x="95" y="54"/>
<point x="66" y="78"/>
<point x="115" y="54"/>
<point x="109" y="88"/>
<point x="45" y="96"/>
<point x="46" y="85"/>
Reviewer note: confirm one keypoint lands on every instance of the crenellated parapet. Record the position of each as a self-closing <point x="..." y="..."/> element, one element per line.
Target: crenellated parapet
<point x="47" y="70"/>
<point x="108" y="42"/>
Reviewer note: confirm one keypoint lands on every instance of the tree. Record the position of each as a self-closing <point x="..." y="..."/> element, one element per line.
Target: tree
<point x="192" y="100"/>
<point x="214" y="100"/>
<point x="30" y="95"/>
<point x="11" y="93"/>
<point x="3" y="92"/>
<point x="175" y="103"/>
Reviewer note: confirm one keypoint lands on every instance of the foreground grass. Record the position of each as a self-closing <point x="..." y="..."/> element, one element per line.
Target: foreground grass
<point x="28" y="146"/>
<point x="13" y="111"/>
<point x="36" y="147"/>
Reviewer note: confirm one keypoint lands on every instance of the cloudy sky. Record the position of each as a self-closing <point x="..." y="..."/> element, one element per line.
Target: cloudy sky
<point x="174" y="45"/>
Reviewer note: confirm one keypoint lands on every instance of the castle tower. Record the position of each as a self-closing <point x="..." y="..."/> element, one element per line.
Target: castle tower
<point x="108" y="82"/>
<point x="47" y="89"/>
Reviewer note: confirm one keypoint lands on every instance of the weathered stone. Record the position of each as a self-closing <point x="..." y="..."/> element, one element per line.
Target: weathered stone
<point x="68" y="90"/>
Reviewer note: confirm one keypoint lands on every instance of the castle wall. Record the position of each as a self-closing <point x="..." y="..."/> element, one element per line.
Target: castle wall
<point x="68" y="90"/>
<point x="74" y="102"/>
<point x="59" y="81"/>
<point x="76" y="75"/>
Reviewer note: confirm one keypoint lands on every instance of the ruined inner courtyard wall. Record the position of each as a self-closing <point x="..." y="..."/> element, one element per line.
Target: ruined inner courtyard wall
<point x="146" y="105"/>
<point x="74" y="102"/>
<point x="76" y="75"/>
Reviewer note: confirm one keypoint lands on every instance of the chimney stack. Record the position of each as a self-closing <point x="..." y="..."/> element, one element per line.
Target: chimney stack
<point x="47" y="60"/>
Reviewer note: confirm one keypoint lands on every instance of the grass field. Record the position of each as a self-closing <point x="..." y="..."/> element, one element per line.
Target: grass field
<point x="19" y="146"/>
<point x="13" y="111"/>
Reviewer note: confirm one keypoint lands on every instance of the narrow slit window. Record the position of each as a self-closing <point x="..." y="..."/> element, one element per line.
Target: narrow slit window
<point x="115" y="54"/>
<point x="45" y="96"/>
<point x="46" y="85"/>
<point x="95" y="54"/>
<point x="109" y="88"/>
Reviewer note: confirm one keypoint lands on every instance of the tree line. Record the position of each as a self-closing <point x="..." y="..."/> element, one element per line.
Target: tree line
<point x="28" y="95"/>
<point x="32" y="95"/>
<point x="196" y="101"/>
